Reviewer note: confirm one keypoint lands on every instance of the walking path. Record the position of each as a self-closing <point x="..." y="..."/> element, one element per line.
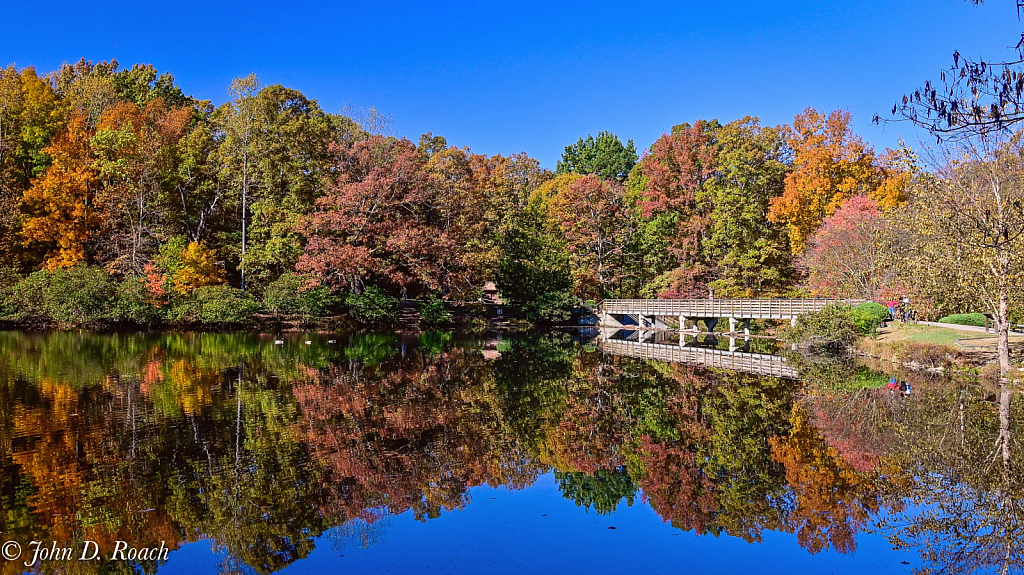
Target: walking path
<point x="957" y="327"/>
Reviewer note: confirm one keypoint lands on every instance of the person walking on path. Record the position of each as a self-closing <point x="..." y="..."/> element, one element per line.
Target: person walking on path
<point x="891" y="304"/>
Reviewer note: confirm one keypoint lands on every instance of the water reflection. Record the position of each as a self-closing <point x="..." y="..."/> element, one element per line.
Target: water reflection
<point x="270" y="450"/>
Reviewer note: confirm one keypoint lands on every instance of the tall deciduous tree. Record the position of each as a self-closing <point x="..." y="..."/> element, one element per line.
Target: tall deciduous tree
<point x="830" y="165"/>
<point x="30" y="115"/>
<point x="62" y="217"/>
<point x="198" y="188"/>
<point x="591" y="214"/>
<point x="292" y="171"/>
<point x="242" y="125"/>
<point x="966" y="226"/>
<point x="135" y="151"/>
<point x="751" y="255"/>
<point x="674" y="203"/>
<point x="369" y="227"/>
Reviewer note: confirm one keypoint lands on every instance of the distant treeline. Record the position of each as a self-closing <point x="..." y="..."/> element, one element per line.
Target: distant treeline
<point x="117" y="169"/>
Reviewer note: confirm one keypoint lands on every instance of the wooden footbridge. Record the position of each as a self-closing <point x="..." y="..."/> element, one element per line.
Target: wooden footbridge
<point x="684" y="314"/>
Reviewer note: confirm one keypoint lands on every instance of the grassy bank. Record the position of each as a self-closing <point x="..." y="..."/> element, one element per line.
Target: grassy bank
<point x="930" y="347"/>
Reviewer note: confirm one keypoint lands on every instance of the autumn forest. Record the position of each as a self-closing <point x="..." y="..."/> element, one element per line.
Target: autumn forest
<point x="128" y="201"/>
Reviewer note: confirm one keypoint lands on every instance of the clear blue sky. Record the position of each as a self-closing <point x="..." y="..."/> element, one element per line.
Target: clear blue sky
<point x="502" y="77"/>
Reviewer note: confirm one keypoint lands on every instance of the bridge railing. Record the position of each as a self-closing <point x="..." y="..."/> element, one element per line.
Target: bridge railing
<point x="739" y="308"/>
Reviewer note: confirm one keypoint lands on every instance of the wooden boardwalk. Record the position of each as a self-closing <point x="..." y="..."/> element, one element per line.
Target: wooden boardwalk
<point x="755" y="363"/>
<point x="668" y="313"/>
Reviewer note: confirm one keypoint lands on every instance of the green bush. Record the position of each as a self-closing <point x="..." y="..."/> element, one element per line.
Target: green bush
<point x="868" y="316"/>
<point x="75" y="296"/>
<point x="8" y="280"/>
<point x="551" y="307"/>
<point x="434" y="312"/>
<point x="132" y="303"/>
<point x="373" y="307"/>
<point x="220" y="304"/>
<point x="975" y="319"/>
<point x="288" y="295"/>
<point x="876" y="309"/>
<point x="831" y="329"/>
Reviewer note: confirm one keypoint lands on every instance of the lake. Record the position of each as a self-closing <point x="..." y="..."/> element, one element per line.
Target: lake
<point x="531" y="453"/>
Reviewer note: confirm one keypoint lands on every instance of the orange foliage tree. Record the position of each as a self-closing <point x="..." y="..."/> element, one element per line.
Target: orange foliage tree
<point x="830" y="165"/>
<point x="62" y="217"/>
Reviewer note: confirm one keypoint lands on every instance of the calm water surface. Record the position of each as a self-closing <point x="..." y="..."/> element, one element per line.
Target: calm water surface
<point x="378" y="453"/>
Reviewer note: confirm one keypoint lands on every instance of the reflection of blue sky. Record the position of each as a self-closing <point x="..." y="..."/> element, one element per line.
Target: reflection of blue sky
<point x="536" y="530"/>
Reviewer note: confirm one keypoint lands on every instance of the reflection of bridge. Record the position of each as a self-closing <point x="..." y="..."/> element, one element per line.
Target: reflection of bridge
<point x="640" y="346"/>
<point x="684" y="313"/>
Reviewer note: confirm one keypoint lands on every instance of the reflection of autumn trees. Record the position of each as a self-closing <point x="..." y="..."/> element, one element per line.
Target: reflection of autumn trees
<point x="947" y="466"/>
<point x="833" y="501"/>
<point x="408" y="435"/>
<point x="170" y="439"/>
<point x="708" y="467"/>
<point x="261" y="449"/>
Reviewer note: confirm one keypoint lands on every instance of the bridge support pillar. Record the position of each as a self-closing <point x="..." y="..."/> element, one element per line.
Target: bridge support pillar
<point x="792" y="321"/>
<point x="746" y="326"/>
<point x="732" y="325"/>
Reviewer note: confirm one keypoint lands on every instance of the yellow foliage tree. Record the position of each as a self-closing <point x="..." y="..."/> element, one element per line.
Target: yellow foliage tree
<point x="60" y="203"/>
<point x="198" y="267"/>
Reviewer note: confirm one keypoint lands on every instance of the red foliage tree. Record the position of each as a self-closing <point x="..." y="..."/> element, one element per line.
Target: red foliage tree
<point x="591" y="214"/>
<point x="399" y="216"/>
<point x="845" y="256"/>
<point x="675" y="170"/>
<point x="367" y="226"/>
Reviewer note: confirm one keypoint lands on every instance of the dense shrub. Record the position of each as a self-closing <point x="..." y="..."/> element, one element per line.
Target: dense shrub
<point x="551" y="307"/>
<point x="975" y="319"/>
<point x="831" y="329"/>
<point x="876" y="309"/>
<point x="183" y="266"/>
<point x="219" y="304"/>
<point x="132" y="303"/>
<point x="8" y="280"/>
<point x="74" y="296"/>
<point x="868" y="316"/>
<point x="288" y="295"/>
<point x="373" y="307"/>
<point x="434" y="312"/>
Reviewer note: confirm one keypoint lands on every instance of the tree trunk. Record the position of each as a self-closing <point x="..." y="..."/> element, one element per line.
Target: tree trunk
<point x="245" y="211"/>
<point x="1003" y="330"/>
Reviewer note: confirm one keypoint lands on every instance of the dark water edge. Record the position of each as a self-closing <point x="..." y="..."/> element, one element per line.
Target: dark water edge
<point x="457" y="453"/>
